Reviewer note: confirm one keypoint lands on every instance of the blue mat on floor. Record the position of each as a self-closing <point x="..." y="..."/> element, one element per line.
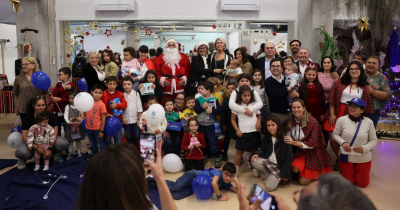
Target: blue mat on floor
<point x="4" y="163"/>
<point x="24" y="189"/>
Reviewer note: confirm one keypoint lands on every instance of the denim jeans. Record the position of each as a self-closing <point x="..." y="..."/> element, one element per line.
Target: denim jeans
<point x="211" y="141"/>
<point x="96" y="143"/>
<point x="172" y="143"/>
<point x="181" y="188"/>
<point x="117" y="137"/>
<point x="132" y="132"/>
<point x="135" y="86"/>
<point x="374" y="117"/>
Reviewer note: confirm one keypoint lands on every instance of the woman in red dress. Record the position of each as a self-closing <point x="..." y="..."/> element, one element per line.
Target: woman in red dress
<point x="310" y="158"/>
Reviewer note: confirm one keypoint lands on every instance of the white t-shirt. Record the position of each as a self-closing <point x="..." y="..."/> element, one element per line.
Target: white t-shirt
<point x="272" y="157"/>
<point x="347" y="95"/>
<point x="247" y="124"/>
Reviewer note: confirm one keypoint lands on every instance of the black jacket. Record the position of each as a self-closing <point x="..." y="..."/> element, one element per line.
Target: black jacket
<point x="91" y="77"/>
<point x="277" y="95"/>
<point x="198" y="70"/>
<point x="252" y="60"/>
<point x="283" y="154"/>
<point x="260" y="64"/>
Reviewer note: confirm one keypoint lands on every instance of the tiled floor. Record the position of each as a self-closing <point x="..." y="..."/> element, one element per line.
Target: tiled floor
<point x="383" y="190"/>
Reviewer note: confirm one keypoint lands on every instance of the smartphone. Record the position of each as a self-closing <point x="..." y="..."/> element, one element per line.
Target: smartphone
<point x="267" y="201"/>
<point x="147" y="147"/>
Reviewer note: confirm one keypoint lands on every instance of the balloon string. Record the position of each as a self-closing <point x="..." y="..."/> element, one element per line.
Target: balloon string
<point x="46" y="195"/>
<point x="55" y="102"/>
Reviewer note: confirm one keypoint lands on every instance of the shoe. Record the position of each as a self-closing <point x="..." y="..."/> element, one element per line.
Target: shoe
<point x="149" y="172"/>
<point x="21" y="164"/>
<point x="205" y="159"/>
<point x="336" y="167"/>
<point x="220" y="137"/>
<point x="237" y="171"/>
<point x="79" y="153"/>
<point x="256" y="172"/>
<point x="224" y="158"/>
<point x="57" y="158"/>
<point x="45" y="168"/>
<point x="69" y="157"/>
<point x="36" y="167"/>
<point x="217" y="163"/>
<point x="182" y="154"/>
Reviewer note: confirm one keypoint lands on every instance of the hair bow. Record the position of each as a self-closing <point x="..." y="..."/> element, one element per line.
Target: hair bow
<point x="311" y="65"/>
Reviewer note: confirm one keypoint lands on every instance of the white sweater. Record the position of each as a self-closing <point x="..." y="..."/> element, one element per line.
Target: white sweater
<point x="152" y="128"/>
<point x="345" y="130"/>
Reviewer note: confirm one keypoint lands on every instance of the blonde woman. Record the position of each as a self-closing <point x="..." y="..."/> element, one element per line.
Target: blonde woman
<point x="23" y="88"/>
<point x="94" y="74"/>
<point x="218" y="61"/>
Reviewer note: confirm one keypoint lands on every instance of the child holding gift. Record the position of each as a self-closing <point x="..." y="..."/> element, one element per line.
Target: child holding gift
<point x="171" y="138"/>
<point x="189" y="112"/>
<point x="193" y="142"/>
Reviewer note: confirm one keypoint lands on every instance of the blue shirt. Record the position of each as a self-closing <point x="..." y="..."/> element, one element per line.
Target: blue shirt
<point x="215" y="172"/>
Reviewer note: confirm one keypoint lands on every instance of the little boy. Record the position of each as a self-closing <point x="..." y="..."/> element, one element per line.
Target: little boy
<point x="214" y="93"/>
<point x="60" y="94"/>
<point x="220" y="88"/>
<point x="233" y="70"/>
<point x="189" y="112"/>
<point x="207" y="108"/>
<point x="130" y="65"/>
<point x="170" y="137"/>
<point x="133" y="111"/>
<point x="222" y="179"/>
<point x="226" y="119"/>
<point x="108" y="95"/>
<point x="291" y="79"/>
<point x="95" y="121"/>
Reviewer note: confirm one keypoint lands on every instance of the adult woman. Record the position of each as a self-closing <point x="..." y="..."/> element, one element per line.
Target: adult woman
<point x="144" y="57"/>
<point x="325" y="78"/>
<point x="241" y="55"/>
<point x="304" y="132"/>
<point x="118" y="171"/>
<point x="287" y="60"/>
<point x="38" y="105"/>
<point x="199" y="71"/>
<point x="94" y="74"/>
<point x="110" y="64"/>
<point x="357" y="167"/>
<point x="118" y="59"/>
<point x="378" y="87"/>
<point x="353" y="84"/>
<point x="23" y="88"/>
<point x="219" y="60"/>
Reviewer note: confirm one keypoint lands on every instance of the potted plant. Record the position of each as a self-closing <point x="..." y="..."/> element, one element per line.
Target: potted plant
<point x="26" y="45"/>
<point x="328" y="43"/>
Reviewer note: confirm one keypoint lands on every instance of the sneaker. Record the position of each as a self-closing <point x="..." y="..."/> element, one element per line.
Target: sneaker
<point x="45" y="168"/>
<point x="205" y="159"/>
<point x="182" y="154"/>
<point x="57" y="158"/>
<point x="69" y="157"/>
<point x="336" y="167"/>
<point x="224" y="158"/>
<point x="21" y="164"/>
<point x="256" y="172"/>
<point x="79" y="153"/>
<point x="220" y="137"/>
<point x="36" y="167"/>
<point x="217" y="163"/>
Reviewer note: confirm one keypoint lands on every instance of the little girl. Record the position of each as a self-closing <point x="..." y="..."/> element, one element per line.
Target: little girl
<point x="41" y="134"/>
<point x="74" y="131"/>
<point x="109" y="63"/>
<point x="248" y="132"/>
<point x="171" y="138"/>
<point x="312" y="93"/>
<point x="257" y="83"/>
<point x="152" y="77"/>
<point x="131" y="67"/>
<point x="193" y="142"/>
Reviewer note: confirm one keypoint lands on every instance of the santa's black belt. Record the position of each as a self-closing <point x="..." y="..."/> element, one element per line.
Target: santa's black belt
<point x="173" y="76"/>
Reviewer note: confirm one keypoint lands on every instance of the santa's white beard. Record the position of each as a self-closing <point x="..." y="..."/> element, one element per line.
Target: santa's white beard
<point x="172" y="57"/>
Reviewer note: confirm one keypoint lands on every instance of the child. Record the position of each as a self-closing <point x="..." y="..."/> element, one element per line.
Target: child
<point x="60" y="95"/>
<point x="108" y="95"/>
<point x="171" y="138"/>
<point x="220" y="88"/>
<point x="222" y="179"/>
<point x="312" y="93"/>
<point x="214" y="93"/>
<point x="198" y="94"/>
<point x="95" y="121"/>
<point x="42" y="134"/>
<point x="248" y="132"/>
<point x="193" y="142"/>
<point x="291" y="79"/>
<point x="109" y="63"/>
<point x="131" y="65"/>
<point x="152" y="77"/>
<point x="274" y="155"/>
<point x="74" y="131"/>
<point x="189" y="112"/>
<point x="257" y="83"/>
<point x="133" y="111"/>
<point x="226" y="120"/>
<point x="207" y="108"/>
<point x="233" y="70"/>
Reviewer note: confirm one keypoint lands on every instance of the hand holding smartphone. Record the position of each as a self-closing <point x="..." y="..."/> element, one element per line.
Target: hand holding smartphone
<point x="147" y="147"/>
<point x="267" y="201"/>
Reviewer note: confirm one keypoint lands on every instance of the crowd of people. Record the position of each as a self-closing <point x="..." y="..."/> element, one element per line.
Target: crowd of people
<point x="282" y="112"/>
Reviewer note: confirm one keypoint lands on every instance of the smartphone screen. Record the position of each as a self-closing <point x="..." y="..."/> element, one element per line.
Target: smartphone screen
<point x="268" y="202"/>
<point x="148" y="147"/>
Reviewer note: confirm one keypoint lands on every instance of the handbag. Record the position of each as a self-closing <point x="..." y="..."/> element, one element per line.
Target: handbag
<point x="343" y="157"/>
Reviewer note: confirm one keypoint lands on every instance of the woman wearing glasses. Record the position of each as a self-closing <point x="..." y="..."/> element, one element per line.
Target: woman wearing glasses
<point x="23" y="88"/>
<point x="37" y="105"/>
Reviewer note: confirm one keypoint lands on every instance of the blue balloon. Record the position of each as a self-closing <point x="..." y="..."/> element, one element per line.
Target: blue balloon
<point x="202" y="186"/>
<point x="16" y="129"/>
<point x="83" y="123"/>
<point x="120" y="73"/>
<point x="41" y="80"/>
<point x="112" y="126"/>
<point x="82" y="84"/>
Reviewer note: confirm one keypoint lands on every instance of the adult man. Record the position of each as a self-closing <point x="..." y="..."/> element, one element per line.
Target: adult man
<point x="276" y="90"/>
<point x="295" y="48"/>
<point x="358" y="56"/>
<point x="264" y="63"/>
<point x="304" y="59"/>
<point x="173" y="69"/>
<point x="252" y="60"/>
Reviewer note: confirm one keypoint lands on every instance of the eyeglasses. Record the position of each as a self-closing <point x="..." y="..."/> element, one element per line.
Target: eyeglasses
<point x="59" y="75"/>
<point x="229" y="176"/>
<point x="202" y="48"/>
<point x="25" y="64"/>
<point x="295" y="197"/>
<point x="288" y="62"/>
<point x="40" y="96"/>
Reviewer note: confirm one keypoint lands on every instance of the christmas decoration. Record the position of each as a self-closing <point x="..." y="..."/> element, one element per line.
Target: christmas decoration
<point x="83" y="28"/>
<point x="214" y="26"/>
<point x="280" y="44"/>
<point x="161" y="29"/>
<point x="288" y="47"/>
<point x="87" y="33"/>
<point x="100" y="31"/>
<point x="77" y="28"/>
<point x="68" y="55"/>
<point x="65" y="41"/>
<point x="163" y="38"/>
<point x="172" y="26"/>
<point x="122" y="41"/>
<point x="278" y="26"/>
<point x="363" y="24"/>
<point x="15" y="5"/>
<point x="255" y="42"/>
<point x="329" y="42"/>
<point x="93" y="25"/>
<point x="70" y="64"/>
<point x="71" y="40"/>
<point x="136" y="30"/>
<point x="125" y="28"/>
<point x="81" y="41"/>
<point x="274" y="33"/>
<point x="148" y="32"/>
<point x="114" y="27"/>
<point x="108" y="33"/>
<point x="137" y="40"/>
<point x="81" y="34"/>
<point x="75" y="43"/>
<point x="108" y="47"/>
<point x="70" y="48"/>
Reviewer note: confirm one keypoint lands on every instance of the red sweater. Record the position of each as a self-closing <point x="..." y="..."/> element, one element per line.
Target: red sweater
<point x="60" y="92"/>
<point x="195" y="154"/>
<point x="107" y="97"/>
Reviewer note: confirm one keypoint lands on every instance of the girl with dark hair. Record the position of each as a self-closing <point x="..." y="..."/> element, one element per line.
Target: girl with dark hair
<point x="325" y="78"/>
<point x="74" y="131"/>
<point x="245" y="65"/>
<point x="353" y="84"/>
<point x="274" y="156"/>
<point x="257" y="83"/>
<point x="109" y="63"/>
<point x="152" y="77"/>
<point x="143" y="57"/>
<point x="118" y="60"/>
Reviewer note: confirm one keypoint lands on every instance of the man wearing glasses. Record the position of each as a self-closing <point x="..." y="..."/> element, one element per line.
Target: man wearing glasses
<point x="264" y="63"/>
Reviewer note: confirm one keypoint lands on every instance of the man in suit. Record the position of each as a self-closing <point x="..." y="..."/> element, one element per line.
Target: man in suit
<point x="252" y="60"/>
<point x="264" y="63"/>
<point x="304" y="59"/>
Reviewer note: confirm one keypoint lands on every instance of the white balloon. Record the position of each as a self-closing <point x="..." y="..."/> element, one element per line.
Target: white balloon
<point x="172" y="163"/>
<point x="14" y="139"/>
<point x="83" y="101"/>
<point x="155" y="114"/>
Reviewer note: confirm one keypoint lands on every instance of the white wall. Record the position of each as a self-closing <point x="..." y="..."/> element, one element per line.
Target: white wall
<point x="275" y="39"/>
<point x="233" y="42"/>
<point x="10" y="52"/>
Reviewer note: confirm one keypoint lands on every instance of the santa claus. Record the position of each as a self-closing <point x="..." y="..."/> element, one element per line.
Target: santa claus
<point x="173" y="68"/>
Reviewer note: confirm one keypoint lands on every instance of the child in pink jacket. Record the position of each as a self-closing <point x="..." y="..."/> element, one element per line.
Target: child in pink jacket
<point x="132" y="67"/>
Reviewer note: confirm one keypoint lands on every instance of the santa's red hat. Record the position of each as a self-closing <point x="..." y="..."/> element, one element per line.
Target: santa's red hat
<point x="179" y="47"/>
<point x="171" y="40"/>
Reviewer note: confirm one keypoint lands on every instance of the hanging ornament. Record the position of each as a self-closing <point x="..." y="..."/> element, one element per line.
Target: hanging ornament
<point x="76" y="43"/>
<point x="363" y="23"/>
<point x="172" y="26"/>
<point x="114" y="27"/>
<point x="65" y="41"/>
<point x="136" y="30"/>
<point x="137" y="40"/>
<point x="280" y="44"/>
<point x="148" y="32"/>
<point x="70" y="40"/>
<point x="163" y="38"/>
<point x="68" y="55"/>
<point x="278" y="26"/>
<point x="70" y="48"/>
<point x="274" y="33"/>
<point x="81" y="41"/>
<point x="161" y="29"/>
<point x="125" y="28"/>
<point x="108" y="47"/>
<point x="83" y="28"/>
<point x="87" y="33"/>
<point x="15" y="5"/>
<point x="100" y="31"/>
<point x="69" y="64"/>
<point x="77" y="28"/>
<point x="214" y="26"/>
<point x="75" y="37"/>
<point x="81" y="34"/>
<point x="288" y="47"/>
<point x="122" y="41"/>
<point x="255" y="42"/>
<point x="192" y="37"/>
<point x="395" y="28"/>
<point x="108" y="33"/>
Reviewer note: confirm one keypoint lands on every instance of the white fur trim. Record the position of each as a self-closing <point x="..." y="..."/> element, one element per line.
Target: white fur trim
<point x="171" y="40"/>
<point x="199" y="44"/>
<point x="162" y="79"/>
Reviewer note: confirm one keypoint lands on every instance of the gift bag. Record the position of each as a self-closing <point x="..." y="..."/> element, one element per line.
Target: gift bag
<point x="75" y="128"/>
<point x="147" y="89"/>
<point x="116" y="112"/>
<point x="184" y="124"/>
<point x="217" y="126"/>
<point x="212" y="105"/>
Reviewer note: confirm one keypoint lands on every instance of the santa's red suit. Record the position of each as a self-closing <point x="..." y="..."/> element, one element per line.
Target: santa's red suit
<point x="173" y="68"/>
